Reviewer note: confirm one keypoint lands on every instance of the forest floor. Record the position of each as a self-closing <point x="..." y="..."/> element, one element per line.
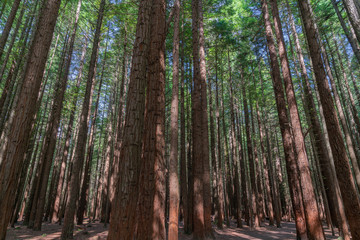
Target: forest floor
<point x="97" y="231"/>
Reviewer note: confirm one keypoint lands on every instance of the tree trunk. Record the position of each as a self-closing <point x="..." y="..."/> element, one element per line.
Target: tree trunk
<point x="351" y="98"/>
<point x="24" y="111"/>
<point x="354" y="16"/>
<point x="259" y="188"/>
<point x="7" y="28"/>
<point x="90" y="149"/>
<point x="55" y="215"/>
<point x="244" y="184"/>
<point x="53" y="125"/>
<point x="220" y="184"/>
<point x="315" y="229"/>
<point x="151" y="203"/>
<point x="319" y="140"/>
<point x="183" y="164"/>
<point x="266" y="168"/>
<point x="253" y="189"/>
<point x="343" y="122"/>
<point x="123" y="222"/>
<point x="236" y="155"/>
<point x="197" y="126"/>
<point x="74" y="187"/>
<point x="173" y="174"/>
<point x="291" y="166"/>
<point x="353" y="41"/>
<point x="343" y="171"/>
<point x="204" y="131"/>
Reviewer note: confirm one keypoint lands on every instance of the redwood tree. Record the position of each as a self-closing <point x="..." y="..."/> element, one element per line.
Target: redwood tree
<point x="25" y="110"/>
<point x="343" y="171"/>
<point x="79" y="155"/>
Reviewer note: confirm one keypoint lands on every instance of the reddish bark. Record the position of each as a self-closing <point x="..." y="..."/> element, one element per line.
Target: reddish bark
<point x="151" y="202"/>
<point x="24" y="111"/>
<point x="123" y="217"/>
<point x="79" y="155"/>
<point x="315" y="229"/>
<point x="343" y="171"/>
<point x="7" y="28"/>
<point x="291" y="166"/>
<point x="173" y="174"/>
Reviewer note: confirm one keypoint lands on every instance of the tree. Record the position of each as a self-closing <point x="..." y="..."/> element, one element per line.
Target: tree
<point x="122" y="219"/>
<point x="79" y="155"/>
<point x="310" y="206"/>
<point x="24" y="111"/>
<point x="173" y="176"/>
<point x="343" y="172"/>
<point x="291" y="166"/>
<point x="53" y="125"/>
<point x="8" y="25"/>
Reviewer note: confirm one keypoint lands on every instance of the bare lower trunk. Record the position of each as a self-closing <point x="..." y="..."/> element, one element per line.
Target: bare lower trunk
<point x="173" y="175"/>
<point x="55" y="215"/>
<point x="313" y="221"/>
<point x="123" y="218"/>
<point x="7" y="28"/>
<point x="151" y="203"/>
<point x="343" y="171"/>
<point x="291" y="166"/>
<point x="24" y="111"/>
<point x="79" y="155"/>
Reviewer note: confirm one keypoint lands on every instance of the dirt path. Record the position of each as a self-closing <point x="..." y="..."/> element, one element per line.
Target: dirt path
<point x="97" y="231"/>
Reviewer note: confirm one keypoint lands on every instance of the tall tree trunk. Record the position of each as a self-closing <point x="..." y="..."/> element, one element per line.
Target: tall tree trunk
<point x="205" y="128"/>
<point x="54" y="121"/>
<point x="151" y="203"/>
<point x="183" y="164"/>
<point x="7" y="28"/>
<point x="253" y="189"/>
<point x="315" y="229"/>
<point x="244" y="184"/>
<point x="291" y="166"/>
<point x="348" y="136"/>
<point x="258" y="177"/>
<point x="343" y="171"/>
<point x="24" y="111"/>
<point x="173" y="174"/>
<point x="123" y="222"/>
<point x="55" y="215"/>
<point x="353" y="15"/>
<point x="350" y="37"/>
<point x="266" y="168"/>
<point x="236" y="155"/>
<point x="189" y="228"/>
<point x="351" y="98"/>
<point x="320" y="144"/>
<point x="79" y="155"/>
<point x="198" y="158"/>
<point x="215" y="179"/>
<point x="90" y="149"/>
<point x="113" y="145"/>
<point x="228" y="186"/>
<point x="220" y="184"/>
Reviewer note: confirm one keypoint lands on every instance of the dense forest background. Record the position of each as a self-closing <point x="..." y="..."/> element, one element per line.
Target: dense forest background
<point x="205" y="114"/>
